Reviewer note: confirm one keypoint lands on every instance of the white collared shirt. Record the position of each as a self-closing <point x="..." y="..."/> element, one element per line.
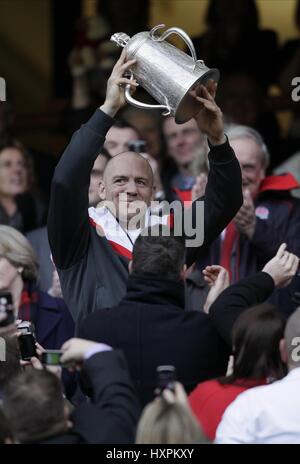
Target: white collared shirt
<point x="114" y="232"/>
<point x="265" y="414"/>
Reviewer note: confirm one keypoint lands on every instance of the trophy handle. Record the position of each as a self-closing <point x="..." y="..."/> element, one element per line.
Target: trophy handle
<point x="141" y="105"/>
<point x="181" y="33"/>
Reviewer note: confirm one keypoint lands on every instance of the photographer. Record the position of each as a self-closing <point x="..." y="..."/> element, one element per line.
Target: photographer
<point x="35" y="407"/>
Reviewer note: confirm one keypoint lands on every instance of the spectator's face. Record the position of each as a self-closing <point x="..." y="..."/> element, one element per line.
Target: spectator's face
<point x="13" y="172"/>
<point x="8" y="274"/>
<point x="117" y="139"/>
<point x="249" y="156"/>
<point x="96" y="177"/>
<point x="148" y="128"/>
<point x="155" y="169"/>
<point x="182" y="140"/>
<point x="127" y="179"/>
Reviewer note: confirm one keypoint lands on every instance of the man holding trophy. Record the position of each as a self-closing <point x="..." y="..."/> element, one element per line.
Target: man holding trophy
<point x="92" y="248"/>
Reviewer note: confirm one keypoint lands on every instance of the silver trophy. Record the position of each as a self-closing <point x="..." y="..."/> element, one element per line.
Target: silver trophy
<point x="166" y="72"/>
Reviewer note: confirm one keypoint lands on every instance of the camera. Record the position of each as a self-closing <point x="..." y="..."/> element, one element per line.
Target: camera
<point x="6" y="308"/>
<point x="27" y="340"/>
<point x="138" y="146"/>
<point x="166" y="377"/>
<point x="51" y="357"/>
<point x="26" y="327"/>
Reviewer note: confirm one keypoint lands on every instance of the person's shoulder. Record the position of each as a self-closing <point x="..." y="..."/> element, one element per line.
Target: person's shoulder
<point x="195" y="323"/>
<point x="52" y="312"/>
<point x="254" y="396"/>
<point x="209" y="387"/>
<point x="198" y="316"/>
<point x="196" y="320"/>
<point x="276" y="199"/>
<point x="92" y="320"/>
<point x="285" y="200"/>
<point x="40" y="233"/>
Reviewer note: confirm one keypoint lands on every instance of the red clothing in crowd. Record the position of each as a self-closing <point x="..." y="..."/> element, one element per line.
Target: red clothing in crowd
<point x="210" y="399"/>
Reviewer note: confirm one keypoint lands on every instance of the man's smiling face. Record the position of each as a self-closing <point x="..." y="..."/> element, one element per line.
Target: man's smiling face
<point x="128" y="178"/>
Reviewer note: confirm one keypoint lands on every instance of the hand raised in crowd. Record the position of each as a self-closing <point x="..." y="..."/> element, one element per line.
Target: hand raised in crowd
<point x="75" y="351"/>
<point x="245" y="219"/>
<point x="55" y="289"/>
<point x="210" y="116"/>
<point x="35" y="363"/>
<point x="179" y="395"/>
<point x="198" y="189"/>
<point x="217" y="277"/>
<point x="282" y="267"/>
<point x="115" y="95"/>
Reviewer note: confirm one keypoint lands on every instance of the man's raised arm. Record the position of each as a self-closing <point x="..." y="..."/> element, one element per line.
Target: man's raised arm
<point x="68" y="227"/>
<point x="223" y="194"/>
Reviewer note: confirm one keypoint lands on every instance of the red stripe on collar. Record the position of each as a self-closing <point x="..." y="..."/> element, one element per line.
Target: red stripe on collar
<point x="121" y="250"/>
<point x="115" y="246"/>
<point x="283" y="182"/>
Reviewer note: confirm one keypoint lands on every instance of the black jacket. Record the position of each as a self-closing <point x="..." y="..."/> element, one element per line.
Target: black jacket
<point x="113" y="412"/>
<point x="92" y="274"/>
<point x="237" y="298"/>
<point x="152" y="328"/>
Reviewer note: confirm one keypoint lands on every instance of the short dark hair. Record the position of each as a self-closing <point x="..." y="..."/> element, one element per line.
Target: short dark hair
<point x="10" y="142"/>
<point x="123" y="124"/>
<point x="255" y="338"/>
<point x="158" y="255"/>
<point x="105" y="153"/>
<point x="34" y="405"/>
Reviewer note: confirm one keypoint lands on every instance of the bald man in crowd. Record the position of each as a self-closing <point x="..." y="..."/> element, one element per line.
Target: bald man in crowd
<point x="92" y="247"/>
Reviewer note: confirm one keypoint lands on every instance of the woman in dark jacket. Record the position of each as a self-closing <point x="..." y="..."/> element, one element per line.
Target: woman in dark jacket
<point x="18" y="276"/>
<point x="21" y="204"/>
